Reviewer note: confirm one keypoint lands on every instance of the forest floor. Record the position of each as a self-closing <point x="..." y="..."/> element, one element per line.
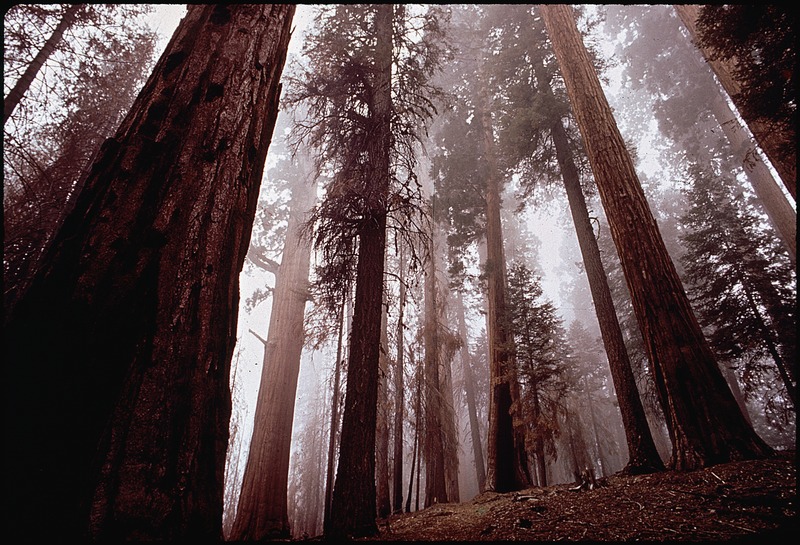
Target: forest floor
<point x="750" y="501"/>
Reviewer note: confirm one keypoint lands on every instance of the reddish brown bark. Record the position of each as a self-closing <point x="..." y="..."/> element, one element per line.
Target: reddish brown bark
<point x="353" y="507"/>
<point x="704" y="421"/>
<point x="780" y="146"/>
<point x="507" y="461"/>
<point x="262" y="508"/>
<point x="123" y="410"/>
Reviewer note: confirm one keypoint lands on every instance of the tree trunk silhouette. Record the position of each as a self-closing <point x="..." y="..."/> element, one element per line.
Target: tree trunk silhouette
<point x="262" y="509"/>
<point x="382" y="429"/>
<point x="68" y="18"/>
<point x="642" y="454"/>
<point x="778" y="145"/>
<point x="138" y="295"/>
<point x="334" y="427"/>
<point x="353" y="509"/>
<point x="704" y="421"/>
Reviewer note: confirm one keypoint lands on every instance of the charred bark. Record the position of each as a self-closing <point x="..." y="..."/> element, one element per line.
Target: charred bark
<point x="506" y="458"/>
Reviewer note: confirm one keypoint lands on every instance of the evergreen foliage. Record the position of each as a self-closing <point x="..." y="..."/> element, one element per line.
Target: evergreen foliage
<point x="760" y="38"/>
<point x="742" y="283"/>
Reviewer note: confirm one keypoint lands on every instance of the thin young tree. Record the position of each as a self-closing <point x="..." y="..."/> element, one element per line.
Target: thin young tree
<point x="705" y="423"/>
<point x="137" y="299"/>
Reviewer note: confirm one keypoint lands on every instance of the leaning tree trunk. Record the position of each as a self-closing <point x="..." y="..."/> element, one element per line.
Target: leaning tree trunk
<point x="704" y="421"/>
<point x="24" y="82"/>
<point x="353" y="509"/>
<point x="643" y="456"/>
<point x="262" y="509"/>
<point x="118" y="354"/>
<point x="780" y="212"/>
<point x="780" y="146"/>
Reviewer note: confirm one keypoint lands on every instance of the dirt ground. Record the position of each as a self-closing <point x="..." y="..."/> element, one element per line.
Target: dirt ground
<point x="750" y="501"/>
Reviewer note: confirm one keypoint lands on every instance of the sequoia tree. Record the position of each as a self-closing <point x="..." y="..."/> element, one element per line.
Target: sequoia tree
<point x="361" y="57"/>
<point x="763" y="85"/>
<point x="262" y="507"/>
<point x="704" y="421"/>
<point x="535" y="134"/>
<point x="117" y="356"/>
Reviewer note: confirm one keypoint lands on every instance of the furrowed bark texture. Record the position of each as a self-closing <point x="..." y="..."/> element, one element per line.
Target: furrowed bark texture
<point x="704" y="421"/>
<point x="643" y="456"/>
<point x="118" y="354"/>
<point x="353" y="507"/>
<point x="507" y="460"/>
<point x="435" y="485"/>
<point x="262" y="511"/>
<point x="780" y="146"/>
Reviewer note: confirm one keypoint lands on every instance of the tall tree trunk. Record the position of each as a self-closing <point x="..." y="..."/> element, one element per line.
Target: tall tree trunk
<point x="353" y="509"/>
<point x="779" y="146"/>
<point x="469" y="392"/>
<point x="538" y="442"/>
<point x="68" y="18"/>
<point x="137" y="299"/>
<point x="384" y="505"/>
<point x="435" y="486"/>
<point x="417" y="432"/>
<point x="704" y="421"/>
<point x="397" y="474"/>
<point x="262" y="509"/>
<point x="507" y="460"/>
<point x="334" y="426"/>
<point x="642" y="453"/>
<point x="772" y="198"/>
<point x="450" y="431"/>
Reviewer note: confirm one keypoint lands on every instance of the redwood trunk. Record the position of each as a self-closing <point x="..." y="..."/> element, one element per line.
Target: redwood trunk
<point x="118" y="354"/>
<point x="507" y="460"/>
<point x="643" y="456"/>
<point x="704" y="421"/>
<point x="780" y="146"/>
<point x="435" y="485"/>
<point x="469" y="392"/>
<point x="353" y="509"/>
<point x="262" y="510"/>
